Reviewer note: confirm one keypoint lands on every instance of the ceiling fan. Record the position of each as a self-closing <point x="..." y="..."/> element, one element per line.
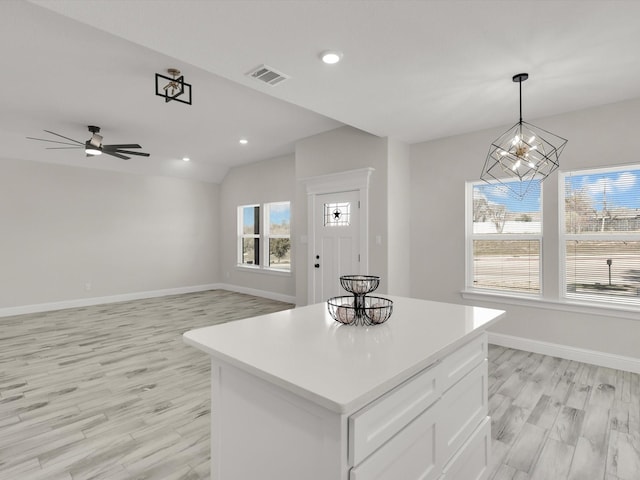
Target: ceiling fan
<point x="94" y="145"/>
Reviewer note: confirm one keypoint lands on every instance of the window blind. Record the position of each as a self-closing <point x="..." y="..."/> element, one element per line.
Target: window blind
<point x="506" y="236"/>
<point x="602" y="235"/>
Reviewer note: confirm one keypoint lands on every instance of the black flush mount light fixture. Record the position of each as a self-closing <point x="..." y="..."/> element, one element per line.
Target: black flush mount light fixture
<point x="175" y="88"/>
<point x="523" y="154"/>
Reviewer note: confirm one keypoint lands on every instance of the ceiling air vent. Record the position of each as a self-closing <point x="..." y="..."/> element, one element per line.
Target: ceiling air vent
<point x="267" y="75"/>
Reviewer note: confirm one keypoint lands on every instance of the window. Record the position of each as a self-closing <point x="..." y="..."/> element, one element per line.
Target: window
<point x="264" y="236"/>
<point x="249" y="234"/>
<point x="337" y="214"/>
<point x="504" y="239"/>
<point x="600" y="235"/>
<point x="279" y="235"/>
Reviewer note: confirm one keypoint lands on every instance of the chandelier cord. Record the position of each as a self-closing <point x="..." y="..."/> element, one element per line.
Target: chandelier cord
<point x="520" y="83"/>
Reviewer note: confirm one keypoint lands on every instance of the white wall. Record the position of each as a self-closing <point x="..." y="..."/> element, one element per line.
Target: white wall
<point x="399" y="218"/>
<point x="262" y="182"/>
<point x="340" y="150"/>
<point x="63" y="228"/>
<point x="597" y="137"/>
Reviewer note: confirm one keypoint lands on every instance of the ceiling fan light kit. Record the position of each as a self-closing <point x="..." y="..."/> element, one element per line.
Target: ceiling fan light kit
<point x="524" y="153"/>
<point x="89" y="150"/>
<point x="94" y="145"/>
<point x="174" y="88"/>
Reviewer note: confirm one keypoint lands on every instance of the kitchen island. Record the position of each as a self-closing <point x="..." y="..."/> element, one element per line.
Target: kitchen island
<point x="297" y="395"/>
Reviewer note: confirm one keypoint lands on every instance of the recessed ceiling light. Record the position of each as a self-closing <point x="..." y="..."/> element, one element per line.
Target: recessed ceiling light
<point x="331" y="57"/>
<point x="186" y="159"/>
<point x="243" y="141"/>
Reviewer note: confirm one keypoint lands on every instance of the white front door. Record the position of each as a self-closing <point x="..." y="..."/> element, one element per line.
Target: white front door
<point x="336" y="247"/>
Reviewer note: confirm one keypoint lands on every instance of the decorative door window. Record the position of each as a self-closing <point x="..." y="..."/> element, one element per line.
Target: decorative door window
<point x="337" y="214"/>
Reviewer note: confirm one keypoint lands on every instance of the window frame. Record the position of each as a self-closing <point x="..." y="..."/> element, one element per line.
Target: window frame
<point x="470" y="237"/>
<point x="242" y="235"/>
<point x="263" y="236"/>
<point x="563" y="237"/>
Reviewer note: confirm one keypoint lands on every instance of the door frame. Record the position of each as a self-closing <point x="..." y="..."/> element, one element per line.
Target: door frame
<point x="351" y="180"/>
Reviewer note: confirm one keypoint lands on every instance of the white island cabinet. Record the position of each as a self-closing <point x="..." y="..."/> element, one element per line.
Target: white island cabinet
<point x="297" y="396"/>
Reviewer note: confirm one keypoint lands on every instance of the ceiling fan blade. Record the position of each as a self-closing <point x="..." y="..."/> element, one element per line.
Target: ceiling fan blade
<point x="62" y="136"/>
<point x="141" y="154"/>
<point x="52" y="141"/>
<point x="115" y="154"/>
<point x="121" y="145"/>
<point x="62" y="148"/>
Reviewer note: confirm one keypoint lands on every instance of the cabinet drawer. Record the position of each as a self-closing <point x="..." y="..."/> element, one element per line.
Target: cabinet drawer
<point x="376" y="423"/>
<point x="463" y="407"/>
<point x="410" y="455"/>
<point x="472" y="461"/>
<point x="462" y="361"/>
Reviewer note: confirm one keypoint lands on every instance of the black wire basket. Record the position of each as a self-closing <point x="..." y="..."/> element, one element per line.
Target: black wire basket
<point x="359" y="284"/>
<point x="372" y="311"/>
<point x="360" y="309"/>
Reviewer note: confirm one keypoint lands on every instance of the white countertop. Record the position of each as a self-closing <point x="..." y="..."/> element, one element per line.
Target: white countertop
<point x="343" y="367"/>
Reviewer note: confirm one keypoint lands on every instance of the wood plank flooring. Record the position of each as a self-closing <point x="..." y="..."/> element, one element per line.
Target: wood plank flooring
<point x="554" y="419"/>
<point x="111" y="392"/>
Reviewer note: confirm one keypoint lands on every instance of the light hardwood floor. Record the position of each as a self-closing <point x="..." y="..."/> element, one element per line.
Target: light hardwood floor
<point x="111" y="392"/>
<point x="554" y="419"/>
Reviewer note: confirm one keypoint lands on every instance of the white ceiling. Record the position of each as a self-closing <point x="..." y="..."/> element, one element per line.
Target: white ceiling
<point x="412" y="70"/>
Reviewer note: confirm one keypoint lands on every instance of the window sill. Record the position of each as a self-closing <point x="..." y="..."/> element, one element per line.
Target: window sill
<point x="575" y="306"/>
<point x="267" y="271"/>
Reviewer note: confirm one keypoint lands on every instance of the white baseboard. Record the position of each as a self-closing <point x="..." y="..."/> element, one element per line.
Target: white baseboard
<point x="125" y="297"/>
<point x="85" y="302"/>
<point x="258" y="293"/>
<point x="594" y="357"/>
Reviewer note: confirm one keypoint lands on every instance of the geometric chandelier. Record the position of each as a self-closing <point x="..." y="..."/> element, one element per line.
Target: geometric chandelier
<point x="176" y="89"/>
<point x="522" y="155"/>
